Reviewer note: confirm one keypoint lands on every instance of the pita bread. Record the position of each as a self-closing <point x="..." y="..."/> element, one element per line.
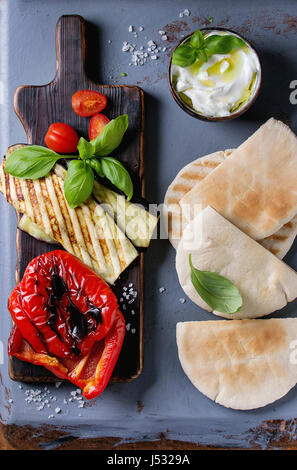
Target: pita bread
<point x="265" y="283"/>
<point x="242" y="364"/>
<point x="184" y="181"/>
<point x="279" y="243"/>
<point x="256" y="187"/>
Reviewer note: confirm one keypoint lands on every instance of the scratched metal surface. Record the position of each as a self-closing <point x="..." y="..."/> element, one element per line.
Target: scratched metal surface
<point x="162" y="400"/>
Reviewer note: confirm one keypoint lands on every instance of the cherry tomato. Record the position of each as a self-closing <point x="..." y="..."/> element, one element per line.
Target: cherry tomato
<point x="61" y="138"/>
<point x="87" y="102"/>
<point x="97" y="123"/>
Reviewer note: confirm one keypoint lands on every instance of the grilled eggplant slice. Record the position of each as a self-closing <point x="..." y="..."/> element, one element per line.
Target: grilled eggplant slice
<point x="34" y="230"/>
<point x="134" y="220"/>
<point x="138" y="223"/>
<point x="87" y="231"/>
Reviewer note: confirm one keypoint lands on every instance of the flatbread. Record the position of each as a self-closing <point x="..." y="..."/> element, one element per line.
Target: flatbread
<point x="266" y="283"/>
<point x="279" y="243"/>
<point x="256" y="188"/>
<point x="242" y="364"/>
<point x="184" y="181"/>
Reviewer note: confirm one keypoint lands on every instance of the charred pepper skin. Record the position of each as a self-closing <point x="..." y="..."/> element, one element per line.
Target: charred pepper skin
<point x="91" y="372"/>
<point x="61" y="306"/>
<point x="112" y="347"/>
<point x="67" y="320"/>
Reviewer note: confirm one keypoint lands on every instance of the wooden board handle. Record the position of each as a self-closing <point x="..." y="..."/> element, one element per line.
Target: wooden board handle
<point x="71" y="48"/>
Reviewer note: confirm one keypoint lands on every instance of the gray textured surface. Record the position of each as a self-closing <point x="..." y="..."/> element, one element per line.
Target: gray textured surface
<point x="170" y="403"/>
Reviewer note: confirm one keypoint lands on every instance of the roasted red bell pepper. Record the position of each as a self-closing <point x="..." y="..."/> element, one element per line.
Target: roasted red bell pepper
<point x="61" y="306"/>
<point x="66" y="319"/>
<point x="90" y="372"/>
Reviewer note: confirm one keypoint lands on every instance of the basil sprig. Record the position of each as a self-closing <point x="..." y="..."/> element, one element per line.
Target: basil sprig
<point x="111" y="136"/>
<point x="79" y="182"/>
<point x="117" y="174"/>
<point x="35" y="161"/>
<point x="217" y="291"/>
<point x="201" y="48"/>
<point x="31" y="162"/>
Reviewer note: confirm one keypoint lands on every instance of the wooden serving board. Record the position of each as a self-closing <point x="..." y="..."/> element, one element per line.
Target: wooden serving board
<point x="39" y="106"/>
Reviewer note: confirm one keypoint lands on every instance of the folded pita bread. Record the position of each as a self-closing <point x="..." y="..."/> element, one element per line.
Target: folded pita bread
<point x="184" y="181"/>
<point x="279" y="243"/>
<point x="265" y="283"/>
<point x="242" y="364"/>
<point x="256" y="187"/>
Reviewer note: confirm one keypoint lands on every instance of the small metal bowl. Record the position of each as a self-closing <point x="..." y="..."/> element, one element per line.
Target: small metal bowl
<point x="202" y="117"/>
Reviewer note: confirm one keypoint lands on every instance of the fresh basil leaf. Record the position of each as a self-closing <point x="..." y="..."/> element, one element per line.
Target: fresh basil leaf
<point x="217" y="291"/>
<point x="78" y="184"/>
<point x="184" y="55"/>
<point x="96" y="165"/>
<point x="117" y="175"/>
<point x="197" y="39"/>
<point x="202" y="55"/>
<point x="85" y="148"/>
<point x="111" y="136"/>
<point x="31" y="162"/>
<point x="217" y="44"/>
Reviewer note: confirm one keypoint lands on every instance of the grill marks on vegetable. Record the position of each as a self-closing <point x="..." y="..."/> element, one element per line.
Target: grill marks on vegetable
<point x="79" y="323"/>
<point x="85" y="231"/>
